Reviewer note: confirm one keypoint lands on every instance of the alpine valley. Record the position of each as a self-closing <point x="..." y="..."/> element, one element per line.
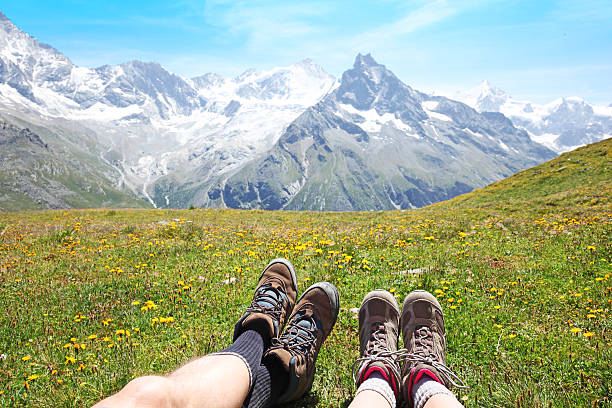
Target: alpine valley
<point x="288" y="138"/>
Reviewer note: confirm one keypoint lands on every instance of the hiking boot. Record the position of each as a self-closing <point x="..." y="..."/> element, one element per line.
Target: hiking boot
<point x="378" y="334"/>
<point x="296" y="351"/>
<point x="272" y="303"/>
<point x="424" y="335"/>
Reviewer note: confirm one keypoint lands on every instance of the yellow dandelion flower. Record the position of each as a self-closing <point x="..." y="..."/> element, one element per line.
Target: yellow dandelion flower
<point x="588" y="334"/>
<point x="575" y="329"/>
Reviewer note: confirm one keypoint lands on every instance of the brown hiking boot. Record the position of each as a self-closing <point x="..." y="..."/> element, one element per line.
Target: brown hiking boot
<point x="296" y="351"/>
<point x="378" y="334"/>
<point x="272" y="303"/>
<point x="425" y="340"/>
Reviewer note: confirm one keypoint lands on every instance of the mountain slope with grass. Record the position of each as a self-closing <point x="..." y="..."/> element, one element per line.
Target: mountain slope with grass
<point x="581" y="177"/>
<point x="53" y="173"/>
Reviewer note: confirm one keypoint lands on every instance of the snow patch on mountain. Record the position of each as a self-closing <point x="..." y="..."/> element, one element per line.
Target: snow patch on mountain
<point x="154" y="122"/>
<point x="562" y="125"/>
<point x="373" y="121"/>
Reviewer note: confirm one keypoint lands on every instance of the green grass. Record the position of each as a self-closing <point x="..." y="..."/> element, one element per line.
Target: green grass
<point x="522" y="269"/>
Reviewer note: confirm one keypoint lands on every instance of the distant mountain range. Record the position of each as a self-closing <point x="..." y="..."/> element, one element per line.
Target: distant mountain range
<point x="287" y="138"/>
<point x="562" y="125"/>
<point x="376" y="143"/>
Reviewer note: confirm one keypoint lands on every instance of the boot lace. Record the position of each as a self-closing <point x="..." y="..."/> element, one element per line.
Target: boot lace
<point x="424" y="353"/>
<point x="268" y="300"/>
<point x="377" y="350"/>
<point x="299" y="335"/>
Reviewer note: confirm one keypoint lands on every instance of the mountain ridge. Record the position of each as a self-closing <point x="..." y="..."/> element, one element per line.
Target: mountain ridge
<point x="322" y="161"/>
<point x="562" y="125"/>
<point x="366" y="141"/>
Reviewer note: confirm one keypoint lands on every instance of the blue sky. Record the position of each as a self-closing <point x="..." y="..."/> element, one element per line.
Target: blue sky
<point x="535" y="50"/>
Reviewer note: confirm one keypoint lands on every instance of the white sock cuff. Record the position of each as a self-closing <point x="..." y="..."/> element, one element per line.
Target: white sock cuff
<point x="380" y="386"/>
<point x="426" y="388"/>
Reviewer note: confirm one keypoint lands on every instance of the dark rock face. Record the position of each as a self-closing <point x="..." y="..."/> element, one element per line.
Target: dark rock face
<point x="11" y="135"/>
<point x="231" y="108"/>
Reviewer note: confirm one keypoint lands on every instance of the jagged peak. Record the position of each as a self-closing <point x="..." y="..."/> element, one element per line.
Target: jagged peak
<point x="307" y="62"/>
<point x="486" y="88"/>
<point x="3" y="17"/>
<point x="365" y="61"/>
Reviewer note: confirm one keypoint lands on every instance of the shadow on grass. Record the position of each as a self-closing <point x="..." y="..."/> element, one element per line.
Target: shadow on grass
<point x="309" y="400"/>
<point x="312" y="400"/>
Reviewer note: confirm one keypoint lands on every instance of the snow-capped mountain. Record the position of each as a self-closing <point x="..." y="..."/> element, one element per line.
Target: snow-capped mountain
<point x="376" y="143"/>
<point x="562" y="125"/>
<point x="152" y="123"/>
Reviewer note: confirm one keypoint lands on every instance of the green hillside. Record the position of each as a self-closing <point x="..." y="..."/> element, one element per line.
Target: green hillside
<point x="522" y="269"/>
<point x="582" y="177"/>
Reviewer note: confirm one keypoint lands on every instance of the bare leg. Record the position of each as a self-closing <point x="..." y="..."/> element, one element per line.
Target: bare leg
<point x="221" y="380"/>
<point x="442" y="401"/>
<point x="214" y="381"/>
<point x="369" y="398"/>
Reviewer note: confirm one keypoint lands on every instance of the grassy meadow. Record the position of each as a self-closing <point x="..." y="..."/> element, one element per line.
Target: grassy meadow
<point x="91" y="299"/>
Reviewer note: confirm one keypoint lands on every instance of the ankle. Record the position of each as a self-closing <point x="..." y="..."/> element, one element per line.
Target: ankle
<point x="378" y="382"/>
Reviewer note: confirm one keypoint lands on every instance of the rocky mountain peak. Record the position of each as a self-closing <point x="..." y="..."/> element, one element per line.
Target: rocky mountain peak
<point x="364" y="61"/>
<point x="361" y="84"/>
<point x="487" y="89"/>
<point x="370" y="85"/>
<point x="484" y="97"/>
